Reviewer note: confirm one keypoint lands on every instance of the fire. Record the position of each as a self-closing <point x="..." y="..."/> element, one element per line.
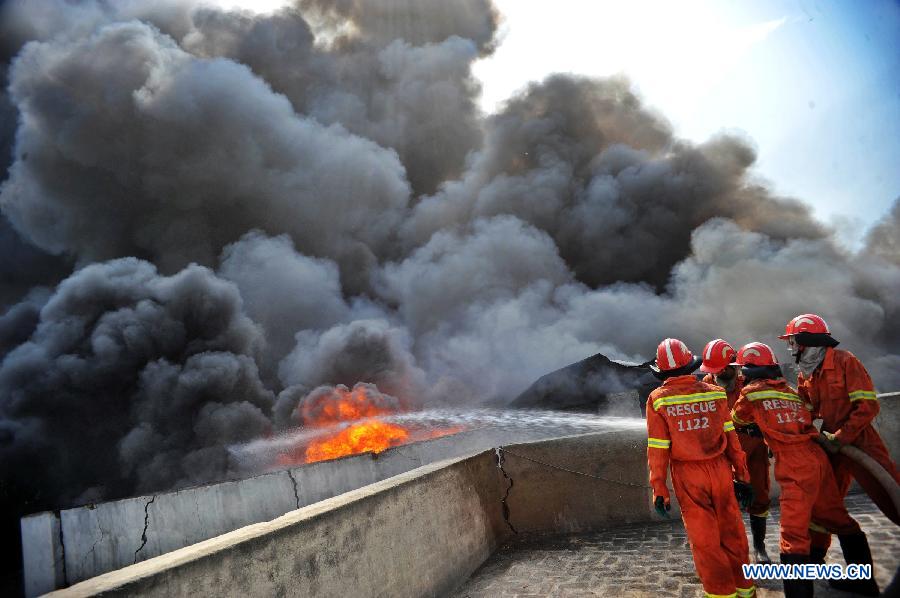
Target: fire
<point x="350" y="423"/>
<point x="374" y="436"/>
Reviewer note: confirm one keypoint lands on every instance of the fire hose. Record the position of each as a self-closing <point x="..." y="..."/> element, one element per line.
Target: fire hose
<point x="873" y="467"/>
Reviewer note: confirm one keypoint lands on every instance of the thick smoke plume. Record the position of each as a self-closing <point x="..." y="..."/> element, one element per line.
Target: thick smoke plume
<point x="209" y="215"/>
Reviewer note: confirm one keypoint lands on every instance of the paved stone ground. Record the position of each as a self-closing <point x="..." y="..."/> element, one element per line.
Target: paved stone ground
<point x="648" y="560"/>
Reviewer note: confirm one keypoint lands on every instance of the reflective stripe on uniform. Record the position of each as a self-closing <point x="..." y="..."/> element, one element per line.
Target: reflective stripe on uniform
<point x="660" y="443"/>
<point x="697" y="397"/>
<point x="862" y="395"/>
<point x="746" y="592"/>
<point x="729" y="426"/>
<point x="817" y="528"/>
<point x="739" y="421"/>
<point x="733" y="595"/>
<point x="772" y="394"/>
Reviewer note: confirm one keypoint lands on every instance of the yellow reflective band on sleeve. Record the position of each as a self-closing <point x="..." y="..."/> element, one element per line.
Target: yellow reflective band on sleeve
<point x="817" y="528"/>
<point x="697" y="397"/>
<point x="660" y="443"/>
<point x="862" y="395"/>
<point x="746" y="592"/>
<point x="729" y="426"/>
<point x="708" y="595"/>
<point x="759" y="395"/>
<point x="739" y="421"/>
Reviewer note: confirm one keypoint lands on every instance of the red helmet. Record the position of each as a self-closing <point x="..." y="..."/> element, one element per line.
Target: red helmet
<point x="758" y="354"/>
<point x="805" y="323"/>
<point x="672" y="354"/>
<point x="717" y="355"/>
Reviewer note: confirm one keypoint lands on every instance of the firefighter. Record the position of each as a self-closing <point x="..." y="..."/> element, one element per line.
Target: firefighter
<point x="842" y="395"/>
<point x="720" y="369"/>
<point x="808" y="489"/>
<point x="689" y="427"/>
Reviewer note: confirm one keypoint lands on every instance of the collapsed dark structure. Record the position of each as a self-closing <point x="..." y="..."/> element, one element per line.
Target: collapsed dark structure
<point x="595" y="385"/>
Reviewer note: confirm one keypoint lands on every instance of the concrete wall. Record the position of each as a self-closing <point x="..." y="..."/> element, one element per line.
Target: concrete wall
<point x="547" y="499"/>
<point x="420" y="533"/>
<point x="887" y="422"/>
<point x="98" y="538"/>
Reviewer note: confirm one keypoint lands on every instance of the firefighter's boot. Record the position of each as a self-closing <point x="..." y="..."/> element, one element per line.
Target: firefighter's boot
<point x="797" y="588"/>
<point x="856" y="552"/>
<point x="758" y="528"/>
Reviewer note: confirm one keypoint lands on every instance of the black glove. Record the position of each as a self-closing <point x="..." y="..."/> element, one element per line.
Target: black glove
<point x="829" y="442"/>
<point x="751" y="430"/>
<point x="662" y="506"/>
<point x="743" y="492"/>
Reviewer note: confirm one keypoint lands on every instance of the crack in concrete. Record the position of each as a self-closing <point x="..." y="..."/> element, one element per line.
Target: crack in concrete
<point x="62" y="548"/>
<point x="146" y="527"/>
<point x="93" y="547"/>
<point x="294" y="480"/>
<point x="499" y="454"/>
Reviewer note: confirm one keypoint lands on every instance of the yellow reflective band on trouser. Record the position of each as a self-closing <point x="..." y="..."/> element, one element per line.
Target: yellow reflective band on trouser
<point x="759" y="395"/>
<point x="660" y="443"/>
<point x="708" y="595"/>
<point x="697" y="397"/>
<point x="863" y="395"/>
<point x="760" y="515"/>
<point x="817" y="528"/>
<point x="746" y="592"/>
<point x="729" y="426"/>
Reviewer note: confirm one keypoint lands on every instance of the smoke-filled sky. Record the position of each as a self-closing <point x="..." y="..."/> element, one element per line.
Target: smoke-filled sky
<point x="813" y="84"/>
<point x="208" y="214"/>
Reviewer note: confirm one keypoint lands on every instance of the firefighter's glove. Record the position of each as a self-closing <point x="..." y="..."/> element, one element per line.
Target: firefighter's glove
<point x="830" y="443"/>
<point x="743" y="492"/>
<point x="662" y="506"/>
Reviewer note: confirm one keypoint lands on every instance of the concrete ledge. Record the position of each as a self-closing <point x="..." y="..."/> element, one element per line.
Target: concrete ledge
<point x="420" y="533"/>
<point x="95" y="539"/>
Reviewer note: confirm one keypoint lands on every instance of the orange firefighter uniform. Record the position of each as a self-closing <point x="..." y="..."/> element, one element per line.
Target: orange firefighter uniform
<point x="842" y="395"/>
<point x="756" y="451"/>
<point x="808" y="488"/>
<point x="689" y="427"/>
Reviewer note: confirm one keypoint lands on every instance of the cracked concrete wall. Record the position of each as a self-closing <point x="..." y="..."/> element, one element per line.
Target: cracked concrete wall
<point x="546" y="498"/>
<point x="420" y="533"/>
<point x="108" y="536"/>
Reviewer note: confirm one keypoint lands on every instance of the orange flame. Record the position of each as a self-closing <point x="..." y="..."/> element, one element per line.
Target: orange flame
<point x="373" y="435"/>
<point x="369" y="435"/>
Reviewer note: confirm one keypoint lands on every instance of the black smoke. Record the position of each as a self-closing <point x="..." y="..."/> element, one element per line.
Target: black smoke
<point x="208" y="215"/>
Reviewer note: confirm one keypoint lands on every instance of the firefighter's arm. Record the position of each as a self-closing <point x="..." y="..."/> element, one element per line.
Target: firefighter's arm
<point x="742" y="414"/>
<point x="803" y="393"/>
<point x="736" y="454"/>
<point x="659" y="444"/>
<point x="863" y="403"/>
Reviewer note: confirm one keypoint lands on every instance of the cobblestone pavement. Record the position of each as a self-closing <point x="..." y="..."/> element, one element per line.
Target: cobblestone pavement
<point x="648" y="559"/>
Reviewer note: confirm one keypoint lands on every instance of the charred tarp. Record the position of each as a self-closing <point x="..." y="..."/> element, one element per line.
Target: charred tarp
<point x="596" y="385"/>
